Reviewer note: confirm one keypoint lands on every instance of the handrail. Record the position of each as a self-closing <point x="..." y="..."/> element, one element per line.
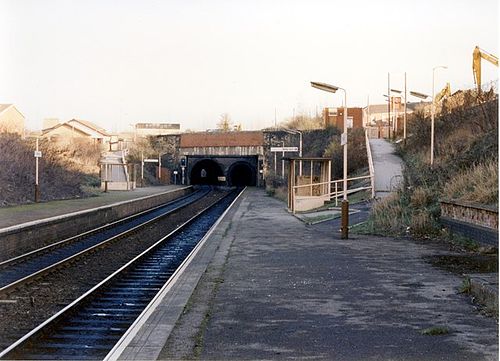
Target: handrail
<point x="330" y="182"/>
<point x="370" y="162"/>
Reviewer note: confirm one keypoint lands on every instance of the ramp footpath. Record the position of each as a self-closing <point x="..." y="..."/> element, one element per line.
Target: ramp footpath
<point x="277" y="288"/>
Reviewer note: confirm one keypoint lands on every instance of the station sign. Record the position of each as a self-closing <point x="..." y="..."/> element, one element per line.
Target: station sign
<point x="284" y="149"/>
<point x="150" y="160"/>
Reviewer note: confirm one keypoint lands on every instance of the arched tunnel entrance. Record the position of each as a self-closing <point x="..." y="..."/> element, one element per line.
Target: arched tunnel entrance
<point x="242" y="174"/>
<point x="206" y="171"/>
<point x="222" y="170"/>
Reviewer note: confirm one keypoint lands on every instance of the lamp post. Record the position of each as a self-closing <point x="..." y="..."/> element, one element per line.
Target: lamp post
<point x="345" y="202"/>
<point x="405" y="97"/>
<point x="433" y="111"/>
<point x="296" y="131"/>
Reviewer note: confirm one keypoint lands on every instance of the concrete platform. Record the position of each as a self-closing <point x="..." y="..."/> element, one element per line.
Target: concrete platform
<point x="484" y="287"/>
<point x="10" y="216"/>
<point x="267" y="286"/>
<point x="38" y="225"/>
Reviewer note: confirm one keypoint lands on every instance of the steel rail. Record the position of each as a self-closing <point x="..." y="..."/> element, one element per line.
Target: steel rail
<point x="59" y="316"/>
<point x="115" y="353"/>
<point x="75" y="238"/>
<point x="74" y="256"/>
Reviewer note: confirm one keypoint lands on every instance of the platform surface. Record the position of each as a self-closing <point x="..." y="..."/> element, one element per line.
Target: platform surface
<point x="11" y="216"/>
<point x="279" y="289"/>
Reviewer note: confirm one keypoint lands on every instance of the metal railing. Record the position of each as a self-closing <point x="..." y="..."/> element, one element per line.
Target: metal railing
<point x="370" y="162"/>
<point x="335" y="191"/>
<point x="331" y="189"/>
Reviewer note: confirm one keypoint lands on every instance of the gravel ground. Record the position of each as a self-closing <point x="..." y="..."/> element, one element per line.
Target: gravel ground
<point x="27" y="306"/>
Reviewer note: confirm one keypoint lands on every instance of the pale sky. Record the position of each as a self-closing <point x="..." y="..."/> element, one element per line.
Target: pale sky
<point x="120" y="62"/>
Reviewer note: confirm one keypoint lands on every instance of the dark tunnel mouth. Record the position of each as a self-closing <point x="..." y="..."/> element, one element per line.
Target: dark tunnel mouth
<point x="212" y="171"/>
<point x="242" y="174"/>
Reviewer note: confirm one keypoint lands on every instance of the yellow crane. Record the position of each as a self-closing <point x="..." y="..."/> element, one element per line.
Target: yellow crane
<point x="476" y="63"/>
<point x="445" y="92"/>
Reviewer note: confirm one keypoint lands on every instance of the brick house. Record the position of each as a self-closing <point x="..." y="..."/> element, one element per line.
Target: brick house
<point x="334" y="117"/>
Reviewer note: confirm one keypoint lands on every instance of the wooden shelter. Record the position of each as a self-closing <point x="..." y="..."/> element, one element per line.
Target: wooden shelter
<point x="308" y="182"/>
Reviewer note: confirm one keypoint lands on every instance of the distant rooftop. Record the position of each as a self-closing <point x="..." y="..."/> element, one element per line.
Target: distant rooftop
<point x="4" y="107"/>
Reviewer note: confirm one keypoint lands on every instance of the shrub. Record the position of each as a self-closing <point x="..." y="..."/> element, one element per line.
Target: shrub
<point x="465" y="167"/>
<point x="60" y="175"/>
<point x="478" y="184"/>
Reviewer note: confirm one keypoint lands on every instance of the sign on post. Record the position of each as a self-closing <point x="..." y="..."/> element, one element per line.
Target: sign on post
<point x="350" y="121"/>
<point x="38" y="154"/>
<point x="284" y="149"/>
<point x="343" y="139"/>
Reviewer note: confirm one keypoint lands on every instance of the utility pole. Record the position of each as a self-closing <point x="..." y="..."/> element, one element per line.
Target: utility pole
<point x="159" y="167"/>
<point x="38" y="154"/>
<point x="389" y="102"/>
<point x="142" y="169"/>
<point x="404" y="120"/>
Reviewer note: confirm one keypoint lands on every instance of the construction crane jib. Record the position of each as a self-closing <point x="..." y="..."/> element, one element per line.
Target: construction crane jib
<point x="477" y="55"/>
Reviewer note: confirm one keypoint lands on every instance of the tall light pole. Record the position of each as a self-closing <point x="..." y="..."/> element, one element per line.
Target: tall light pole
<point x="405" y="109"/>
<point x="345" y="202"/>
<point x="433" y="111"/>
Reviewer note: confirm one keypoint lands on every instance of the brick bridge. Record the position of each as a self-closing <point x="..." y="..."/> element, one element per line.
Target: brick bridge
<point x="228" y="158"/>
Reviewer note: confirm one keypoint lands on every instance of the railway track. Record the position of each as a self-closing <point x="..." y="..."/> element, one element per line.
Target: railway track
<point x="26" y="267"/>
<point x="90" y="326"/>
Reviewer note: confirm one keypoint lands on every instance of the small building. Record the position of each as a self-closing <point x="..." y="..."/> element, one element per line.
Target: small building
<point x="376" y="113"/>
<point x="334" y="117"/>
<point x="156" y="129"/>
<point x="11" y="119"/>
<point x="77" y="129"/>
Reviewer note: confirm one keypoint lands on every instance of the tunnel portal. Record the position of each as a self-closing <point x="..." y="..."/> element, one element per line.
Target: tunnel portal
<point x="241" y="174"/>
<point x="222" y="170"/>
<point x="206" y="171"/>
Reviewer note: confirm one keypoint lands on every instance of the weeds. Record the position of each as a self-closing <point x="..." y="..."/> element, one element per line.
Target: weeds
<point x="478" y="184"/>
<point x="435" y="331"/>
<point x="65" y="171"/>
<point x="466" y="286"/>
<point x="465" y="168"/>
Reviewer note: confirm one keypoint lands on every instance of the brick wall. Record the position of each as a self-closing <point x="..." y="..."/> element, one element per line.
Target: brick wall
<point x="338" y="120"/>
<point x="479" y="215"/>
<point x="222" y="139"/>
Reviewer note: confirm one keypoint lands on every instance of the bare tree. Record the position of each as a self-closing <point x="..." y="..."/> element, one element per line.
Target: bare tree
<point x="225" y="123"/>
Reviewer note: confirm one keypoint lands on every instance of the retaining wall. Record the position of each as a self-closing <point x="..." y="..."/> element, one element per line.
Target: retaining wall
<point x="22" y="238"/>
<point x="475" y="221"/>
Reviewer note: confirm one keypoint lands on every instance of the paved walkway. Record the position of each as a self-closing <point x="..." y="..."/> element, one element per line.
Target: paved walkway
<point x="10" y="216"/>
<point x="276" y="288"/>
<point x="387" y="166"/>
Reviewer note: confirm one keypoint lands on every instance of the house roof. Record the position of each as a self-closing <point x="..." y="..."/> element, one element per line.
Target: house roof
<point x="80" y="125"/>
<point x="377" y="108"/>
<point x="4" y="107"/>
<point x="90" y="125"/>
<point x="382" y="108"/>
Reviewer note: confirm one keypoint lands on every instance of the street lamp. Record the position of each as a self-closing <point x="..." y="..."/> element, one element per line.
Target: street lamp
<point x="405" y="113"/>
<point x="345" y="202"/>
<point x="296" y="131"/>
<point x="433" y="111"/>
